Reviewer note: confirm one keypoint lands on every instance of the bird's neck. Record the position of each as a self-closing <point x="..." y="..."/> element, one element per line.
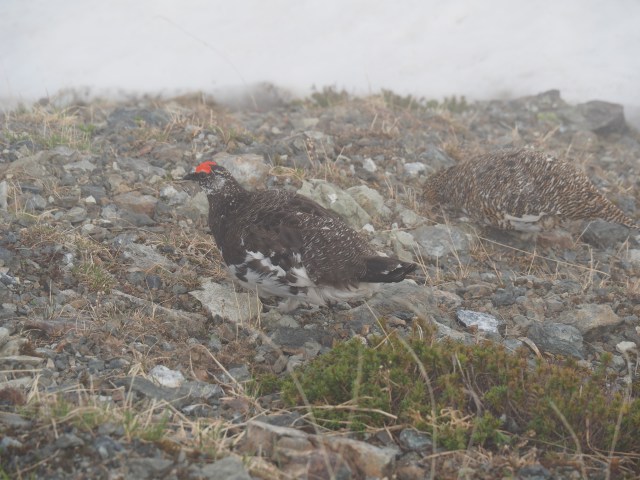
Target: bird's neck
<point x="224" y="203"/>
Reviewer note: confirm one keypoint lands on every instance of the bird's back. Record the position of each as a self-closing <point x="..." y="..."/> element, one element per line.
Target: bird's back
<point x="521" y="189"/>
<point x="289" y="228"/>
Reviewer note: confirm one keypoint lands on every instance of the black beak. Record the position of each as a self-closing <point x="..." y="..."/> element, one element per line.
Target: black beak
<point x="190" y="176"/>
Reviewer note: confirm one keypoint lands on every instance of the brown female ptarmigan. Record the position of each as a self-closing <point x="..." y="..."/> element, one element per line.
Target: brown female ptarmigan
<point x="288" y="246"/>
<point x="522" y="190"/>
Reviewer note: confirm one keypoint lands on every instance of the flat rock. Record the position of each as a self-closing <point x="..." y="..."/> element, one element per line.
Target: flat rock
<point x="131" y="117"/>
<point x="557" y="338"/>
<point x="333" y="198"/>
<point x="368" y="460"/>
<point x="406" y="296"/>
<point x="4" y="194"/>
<point x="166" y="377"/>
<point x="229" y="468"/>
<point x="590" y="316"/>
<point x="136" y="202"/>
<point x="140" y="166"/>
<point x="370" y="200"/>
<point x="35" y="166"/>
<point x="223" y="300"/>
<point x="440" y="240"/>
<point x="482" y="321"/>
<point x="603" y="234"/>
<point x="145" y="257"/>
<point x="249" y="169"/>
<point x="83" y="165"/>
<point x="602" y="117"/>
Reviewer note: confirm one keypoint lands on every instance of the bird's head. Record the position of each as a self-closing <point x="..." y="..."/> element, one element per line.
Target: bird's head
<point x="212" y="177"/>
<point x="434" y="189"/>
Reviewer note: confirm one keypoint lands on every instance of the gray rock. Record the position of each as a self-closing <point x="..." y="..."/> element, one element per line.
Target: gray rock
<point x="566" y="286"/>
<point x="590" y="316"/>
<point x="294" y="338"/>
<point x="140" y="166"/>
<point x="148" y="468"/>
<point x="107" y="447"/>
<point x="585" y="140"/>
<point x="413" y="169"/>
<point x="482" y="321"/>
<point x="13" y="346"/>
<point x="135" y="219"/>
<point x="503" y="298"/>
<point x="173" y="196"/>
<point x="197" y="390"/>
<point x="9" y="442"/>
<point x="68" y="440"/>
<point x="369" y="165"/>
<point x="128" y="118"/>
<point x="11" y="419"/>
<point x="478" y="290"/>
<point x="166" y="377"/>
<point x="4" y="194"/>
<point x="199" y="202"/>
<point x="229" y="468"/>
<point x="135" y="202"/>
<point x="448" y="299"/>
<point x="225" y="301"/>
<point x="240" y="374"/>
<point x="411" y="219"/>
<point x="370" y="200"/>
<point x="187" y="394"/>
<point x="627" y="347"/>
<point x="365" y="459"/>
<point x="440" y="240"/>
<point x="110" y="213"/>
<point x="602" y="118"/>
<point x="83" y="165"/>
<point x="411" y="439"/>
<point x="35" y="202"/>
<point x="24" y="360"/>
<point x="5" y="334"/>
<point x="403" y="244"/>
<point x="98" y="192"/>
<point x="76" y="215"/>
<point x="633" y="255"/>
<point x="154" y="282"/>
<point x="146" y="258"/>
<point x="214" y="344"/>
<point x="249" y="169"/>
<point x="536" y="472"/>
<point x="557" y="338"/>
<point x="35" y="166"/>
<point x="333" y="198"/>
<point x="604" y="234"/>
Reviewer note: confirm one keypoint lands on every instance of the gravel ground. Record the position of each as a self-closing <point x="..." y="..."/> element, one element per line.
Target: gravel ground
<point x="126" y="352"/>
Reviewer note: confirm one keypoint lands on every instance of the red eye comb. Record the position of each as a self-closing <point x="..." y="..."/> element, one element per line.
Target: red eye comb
<point x="205" y="167"/>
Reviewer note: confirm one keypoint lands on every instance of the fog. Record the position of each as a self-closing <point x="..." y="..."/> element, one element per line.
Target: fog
<point x="588" y="49"/>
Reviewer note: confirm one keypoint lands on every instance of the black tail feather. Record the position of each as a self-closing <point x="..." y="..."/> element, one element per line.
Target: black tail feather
<point x="386" y="270"/>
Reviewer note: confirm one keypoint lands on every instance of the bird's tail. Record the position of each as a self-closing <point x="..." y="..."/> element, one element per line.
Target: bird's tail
<point x="612" y="213"/>
<point x="386" y="270"/>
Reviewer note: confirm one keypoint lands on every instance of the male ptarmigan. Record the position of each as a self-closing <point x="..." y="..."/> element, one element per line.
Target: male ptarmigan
<point x="288" y="246"/>
<point x="522" y="190"/>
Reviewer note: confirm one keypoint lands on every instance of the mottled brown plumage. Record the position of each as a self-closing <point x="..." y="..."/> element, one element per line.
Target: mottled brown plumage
<point x="288" y="246"/>
<point x="522" y="190"/>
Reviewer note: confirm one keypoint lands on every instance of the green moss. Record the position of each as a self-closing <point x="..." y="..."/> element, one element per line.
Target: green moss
<point x="483" y="394"/>
<point x="94" y="276"/>
<point x="329" y="96"/>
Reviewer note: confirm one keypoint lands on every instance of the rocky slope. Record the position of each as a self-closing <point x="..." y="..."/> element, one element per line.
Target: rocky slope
<point x="126" y="352"/>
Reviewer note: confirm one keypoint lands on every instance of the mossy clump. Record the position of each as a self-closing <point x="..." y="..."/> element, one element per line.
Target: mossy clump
<point x="464" y="394"/>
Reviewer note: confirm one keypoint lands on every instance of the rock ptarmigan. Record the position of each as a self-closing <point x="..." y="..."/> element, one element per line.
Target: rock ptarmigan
<point x="286" y="245"/>
<point x="523" y="190"/>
